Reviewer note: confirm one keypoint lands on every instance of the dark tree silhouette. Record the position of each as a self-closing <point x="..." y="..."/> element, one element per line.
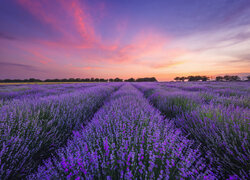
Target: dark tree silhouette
<point x="118" y="80"/>
<point x="219" y="78"/>
<point x="235" y="78"/>
<point x="232" y="78"/>
<point x="183" y="78"/>
<point x="146" y="79"/>
<point x="226" y="77"/>
<point x="103" y="80"/>
<point x="204" y="78"/>
<point x="177" y="79"/>
<point x="130" y="80"/>
<point x="111" y="80"/>
<point x="97" y="79"/>
<point x="192" y="78"/>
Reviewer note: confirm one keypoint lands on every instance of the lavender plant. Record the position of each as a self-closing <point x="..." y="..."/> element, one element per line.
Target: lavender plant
<point x="171" y="102"/>
<point x="225" y="132"/>
<point x="239" y="101"/>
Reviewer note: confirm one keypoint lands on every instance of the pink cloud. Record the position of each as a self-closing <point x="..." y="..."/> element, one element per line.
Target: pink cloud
<point x="83" y="22"/>
<point x="80" y="37"/>
<point x="67" y="18"/>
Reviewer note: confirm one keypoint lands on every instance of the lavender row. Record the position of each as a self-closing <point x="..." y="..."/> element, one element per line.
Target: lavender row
<point x="222" y="130"/>
<point x="226" y="96"/>
<point x="127" y="139"/>
<point x="31" y="130"/>
<point x="17" y="92"/>
<point x="232" y="89"/>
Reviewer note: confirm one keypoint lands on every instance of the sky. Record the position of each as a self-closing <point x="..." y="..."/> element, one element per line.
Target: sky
<point x="131" y="38"/>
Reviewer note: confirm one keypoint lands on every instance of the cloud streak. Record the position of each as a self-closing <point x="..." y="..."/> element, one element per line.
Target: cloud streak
<point x="6" y="65"/>
<point x="5" y="36"/>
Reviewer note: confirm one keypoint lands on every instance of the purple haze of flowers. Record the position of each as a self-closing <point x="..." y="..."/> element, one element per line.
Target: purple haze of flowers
<point x="225" y="132"/>
<point x="236" y="93"/>
<point x="33" y="128"/>
<point x="220" y="123"/>
<point x="126" y="139"/>
<point x="21" y="92"/>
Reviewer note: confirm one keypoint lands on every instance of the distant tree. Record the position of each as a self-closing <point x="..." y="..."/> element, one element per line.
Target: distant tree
<point x="47" y="80"/>
<point x="130" y="80"/>
<point x="191" y="78"/>
<point x="219" y="78"/>
<point x="71" y="80"/>
<point x="198" y="78"/>
<point x="34" y="80"/>
<point x="248" y="78"/>
<point x="146" y="79"/>
<point x="226" y="78"/>
<point x="235" y="78"/>
<point x="177" y="78"/>
<point x="183" y="78"/>
<point x="232" y="78"/>
<point x="111" y="80"/>
<point x="204" y="78"/>
<point x="17" y="80"/>
<point x="77" y="80"/>
<point x="56" y="80"/>
<point x="97" y="79"/>
<point x="153" y="79"/>
<point x="103" y="80"/>
<point x="118" y="80"/>
<point x="6" y="80"/>
<point x="195" y="78"/>
<point x="87" y="80"/>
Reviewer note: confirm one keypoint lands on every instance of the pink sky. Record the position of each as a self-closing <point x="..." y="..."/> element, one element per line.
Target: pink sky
<point x="108" y="39"/>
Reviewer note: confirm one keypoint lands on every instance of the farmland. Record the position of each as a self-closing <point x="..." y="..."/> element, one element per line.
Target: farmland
<point x="160" y="130"/>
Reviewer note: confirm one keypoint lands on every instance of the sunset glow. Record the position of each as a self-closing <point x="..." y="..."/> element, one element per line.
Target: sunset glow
<point x="108" y="39"/>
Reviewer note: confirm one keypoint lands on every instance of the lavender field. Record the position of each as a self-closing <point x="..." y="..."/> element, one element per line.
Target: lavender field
<point x="160" y="130"/>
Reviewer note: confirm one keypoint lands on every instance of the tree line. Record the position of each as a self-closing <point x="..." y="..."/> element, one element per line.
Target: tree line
<point x="229" y="78"/>
<point x="146" y="79"/>
<point x="192" y="78"/>
<point x="205" y="78"/>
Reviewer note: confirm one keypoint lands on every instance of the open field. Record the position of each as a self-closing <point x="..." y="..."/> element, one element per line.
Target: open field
<point x="158" y="130"/>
